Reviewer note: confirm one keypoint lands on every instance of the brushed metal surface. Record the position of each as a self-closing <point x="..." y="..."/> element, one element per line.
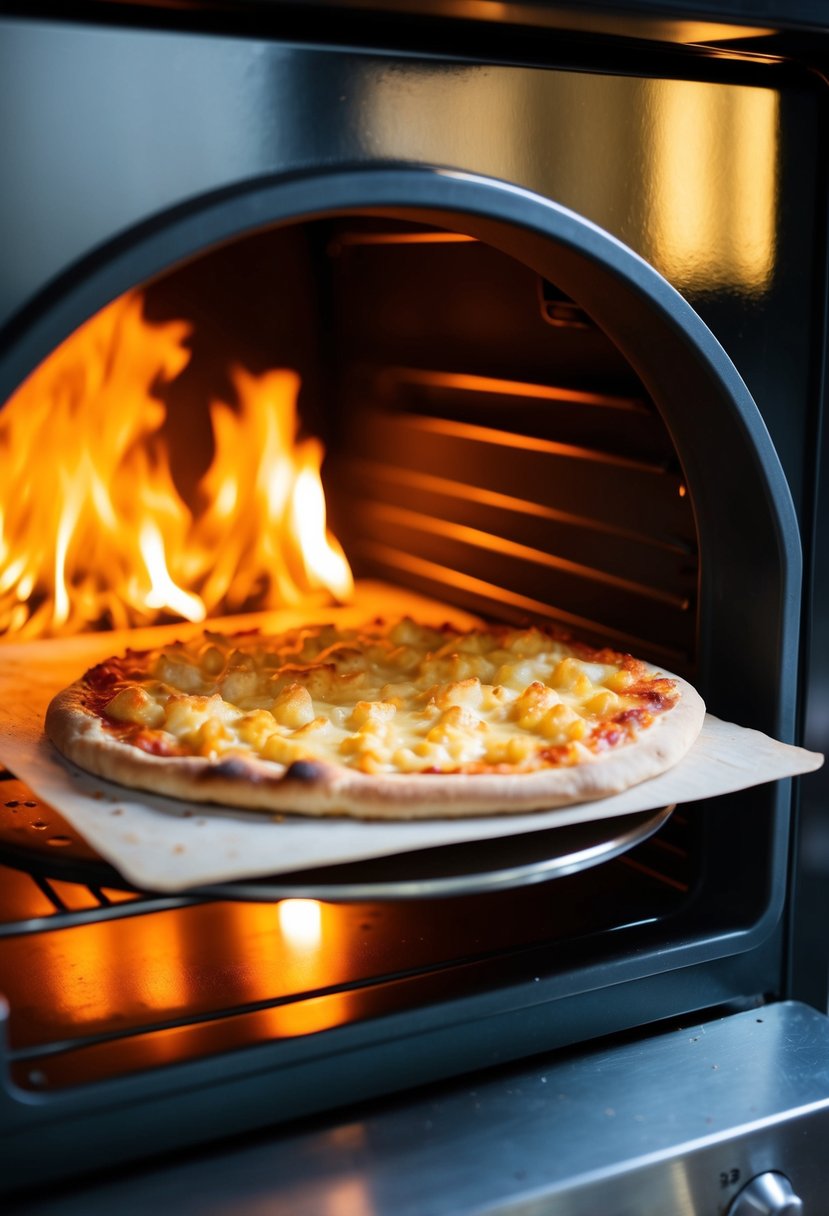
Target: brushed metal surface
<point x="672" y="1124"/>
<point x="194" y="115"/>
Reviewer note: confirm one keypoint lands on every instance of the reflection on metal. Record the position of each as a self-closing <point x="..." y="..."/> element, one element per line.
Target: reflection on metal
<point x="402" y="517"/>
<point x="98" y="979"/>
<point x="674" y="1123"/>
<point x="601" y="145"/>
<point x="300" y="921"/>
<point x="653" y="28"/>
<point x="714" y="166"/>
<point x="315" y="955"/>
<point x="310" y="1015"/>
<point x="349" y="1197"/>
<point x="634" y="864"/>
<point x="358" y="237"/>
<point x="161" y="983"/>
<point x="477" y="127"/>
<point x="525" y="443"/>
<point x="513" y="606"/>
<point x="87" y="983"/>
<point x="508" y="502"/>
<point x="683" y="171"/>
<point x="467" y="383"/>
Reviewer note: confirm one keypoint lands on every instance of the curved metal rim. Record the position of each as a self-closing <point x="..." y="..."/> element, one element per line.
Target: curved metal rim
<point x="482" y="882"/>
<point x="550" y="857"/>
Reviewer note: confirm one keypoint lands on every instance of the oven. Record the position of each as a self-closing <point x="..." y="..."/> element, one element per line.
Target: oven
<point x="553" y="286"/>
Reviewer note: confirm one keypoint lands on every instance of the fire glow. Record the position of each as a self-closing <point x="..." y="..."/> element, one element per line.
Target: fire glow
<point x="93" y="529"/>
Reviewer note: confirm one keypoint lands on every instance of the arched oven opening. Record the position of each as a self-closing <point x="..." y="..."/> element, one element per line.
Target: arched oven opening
<point x="520" y="419"/>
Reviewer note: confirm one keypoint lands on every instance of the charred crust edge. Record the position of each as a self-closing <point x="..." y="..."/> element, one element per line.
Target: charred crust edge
<point x="309" y="772"/>
<point x="231" y="769"/>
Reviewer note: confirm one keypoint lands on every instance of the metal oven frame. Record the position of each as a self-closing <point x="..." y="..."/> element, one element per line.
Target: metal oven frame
<point x="307" y="156"/>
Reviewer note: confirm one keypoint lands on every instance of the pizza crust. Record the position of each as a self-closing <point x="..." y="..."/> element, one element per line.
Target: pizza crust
<point x="321" y="787"/>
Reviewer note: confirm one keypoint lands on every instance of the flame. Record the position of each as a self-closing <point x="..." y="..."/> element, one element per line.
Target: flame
<point x="93" y="529"/>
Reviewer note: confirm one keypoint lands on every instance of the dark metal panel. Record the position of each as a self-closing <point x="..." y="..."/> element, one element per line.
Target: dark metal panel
<point x="596" y="543"/>
<point x="623" y="607"/>
<point x="192" y="115"/>
<point x="641" y="497"/>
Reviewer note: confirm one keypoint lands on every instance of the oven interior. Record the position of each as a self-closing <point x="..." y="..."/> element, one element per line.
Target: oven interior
<point x="488" y="445"/>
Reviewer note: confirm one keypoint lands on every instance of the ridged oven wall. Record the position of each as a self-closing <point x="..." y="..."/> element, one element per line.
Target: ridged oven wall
<point x="501" y="451"/>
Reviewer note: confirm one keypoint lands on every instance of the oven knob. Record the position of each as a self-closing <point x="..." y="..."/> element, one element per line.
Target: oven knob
<point x="768" y="1194"/>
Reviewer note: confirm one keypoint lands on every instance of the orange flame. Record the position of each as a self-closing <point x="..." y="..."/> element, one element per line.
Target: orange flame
<point x="93" y="529"/>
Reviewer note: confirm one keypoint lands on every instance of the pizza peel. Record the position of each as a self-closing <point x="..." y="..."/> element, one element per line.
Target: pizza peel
<point x="36" y="838"/>
<point x="163" y="844"/>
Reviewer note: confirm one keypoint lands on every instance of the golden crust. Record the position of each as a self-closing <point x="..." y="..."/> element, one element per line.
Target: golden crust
<point x="322" y="721"/>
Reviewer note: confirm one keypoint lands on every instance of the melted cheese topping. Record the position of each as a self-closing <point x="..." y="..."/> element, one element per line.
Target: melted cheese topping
<point x="398" y="698"/>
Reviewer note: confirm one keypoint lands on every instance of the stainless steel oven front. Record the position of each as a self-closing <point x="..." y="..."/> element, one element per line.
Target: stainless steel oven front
<point x="555" y="297"/>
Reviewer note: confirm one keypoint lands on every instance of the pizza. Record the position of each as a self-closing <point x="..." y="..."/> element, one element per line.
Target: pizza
<point x="388" y="720"/>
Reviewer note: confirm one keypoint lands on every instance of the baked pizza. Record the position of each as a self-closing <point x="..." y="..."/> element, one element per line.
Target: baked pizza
<point x="390" y="720"/>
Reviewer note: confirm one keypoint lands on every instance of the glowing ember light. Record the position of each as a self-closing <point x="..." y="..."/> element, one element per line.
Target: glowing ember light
<point x="93" y="529"/>
<point x="300" y="921"/>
